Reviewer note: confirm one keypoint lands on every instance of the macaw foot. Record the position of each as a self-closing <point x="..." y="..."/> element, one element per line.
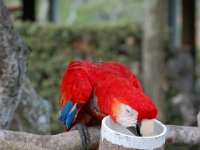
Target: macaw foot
<point x="84" y="134"/>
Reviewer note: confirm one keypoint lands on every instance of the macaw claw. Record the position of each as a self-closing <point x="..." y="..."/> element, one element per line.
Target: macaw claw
<point x="84" y="134"/>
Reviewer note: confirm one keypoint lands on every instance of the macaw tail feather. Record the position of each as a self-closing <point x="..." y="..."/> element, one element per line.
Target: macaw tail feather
<point x="67" y="114"/>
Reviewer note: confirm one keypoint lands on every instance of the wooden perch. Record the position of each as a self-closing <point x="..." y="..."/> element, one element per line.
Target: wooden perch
<point x="63" y="141"/>
<point x="182" y="135"/>
<point x="176" y="135"/>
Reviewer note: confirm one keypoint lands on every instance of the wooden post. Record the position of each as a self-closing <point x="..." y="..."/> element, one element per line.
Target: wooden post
<point x="174" y="24"/>
<point x="53" y="10"/>
<point x="28" y="10"/>
<point x="106" y="145"/>
<point x="153" y="52"/>
<point x="188" y="35"/>
<point x="188" y="29"/>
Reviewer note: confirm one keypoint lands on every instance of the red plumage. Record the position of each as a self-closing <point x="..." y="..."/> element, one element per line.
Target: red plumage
<point x="98" y="89"/>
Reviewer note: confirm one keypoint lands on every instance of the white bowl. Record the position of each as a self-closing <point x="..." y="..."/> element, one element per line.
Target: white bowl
<point x="118" y="135"/>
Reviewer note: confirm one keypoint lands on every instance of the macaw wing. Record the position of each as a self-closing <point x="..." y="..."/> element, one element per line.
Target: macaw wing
<point x="125" y="72"/>
<point x="75" y="91"/>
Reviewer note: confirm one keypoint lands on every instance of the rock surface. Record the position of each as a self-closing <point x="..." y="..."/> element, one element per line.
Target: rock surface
<point x="33" y="112"/>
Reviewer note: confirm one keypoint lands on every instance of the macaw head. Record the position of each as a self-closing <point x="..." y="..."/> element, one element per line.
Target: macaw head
<point x="136" y="112"/>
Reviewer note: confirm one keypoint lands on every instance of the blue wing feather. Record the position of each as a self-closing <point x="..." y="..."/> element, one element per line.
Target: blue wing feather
<point x="67" y="114"/>
<point x="70" y="118"/>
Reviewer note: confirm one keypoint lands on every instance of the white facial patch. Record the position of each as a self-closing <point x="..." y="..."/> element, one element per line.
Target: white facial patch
<point x="127" y="116"/>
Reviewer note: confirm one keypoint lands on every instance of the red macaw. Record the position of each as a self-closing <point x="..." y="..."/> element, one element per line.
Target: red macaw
<point x="89" y="91"/>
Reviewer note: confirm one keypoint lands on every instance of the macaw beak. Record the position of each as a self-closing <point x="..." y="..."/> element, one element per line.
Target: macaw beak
<point x="135" y="129"/>
<point x="143" y="128"/>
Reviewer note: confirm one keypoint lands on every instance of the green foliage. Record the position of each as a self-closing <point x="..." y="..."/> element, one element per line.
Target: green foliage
<point x="54" y="46"/>
<point x="93" y="11"/>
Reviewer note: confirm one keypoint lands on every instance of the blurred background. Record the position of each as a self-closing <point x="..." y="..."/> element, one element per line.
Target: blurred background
<point x="158" y="41"/>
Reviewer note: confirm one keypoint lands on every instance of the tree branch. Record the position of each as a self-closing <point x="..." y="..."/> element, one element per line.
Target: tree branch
<point x="176" y="135"/>
<point x="4" y="144"/>
<point x="182" y="135"/>
<point x="13" y="65"/>
<point x="68" y="141"/>
<point x="33" y="112"/>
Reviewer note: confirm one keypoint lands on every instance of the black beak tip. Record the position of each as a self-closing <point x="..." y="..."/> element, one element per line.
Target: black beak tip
<point x="135" y="130"/>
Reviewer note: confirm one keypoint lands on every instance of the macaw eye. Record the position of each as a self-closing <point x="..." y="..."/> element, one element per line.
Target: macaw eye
<point x="127" y="111"/>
